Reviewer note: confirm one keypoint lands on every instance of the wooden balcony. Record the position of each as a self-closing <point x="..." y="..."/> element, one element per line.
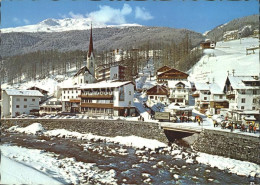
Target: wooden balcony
<point x="196" y="95"/>
<point x="97" y="96"/>
<point x="230" y="96"/>
<point x="98" y="105"/>
<point x="77" y="100"/>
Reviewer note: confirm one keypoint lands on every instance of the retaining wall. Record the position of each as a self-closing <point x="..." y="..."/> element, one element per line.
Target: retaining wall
<point x="227" y="144"/>
<point x="110" y="128"/>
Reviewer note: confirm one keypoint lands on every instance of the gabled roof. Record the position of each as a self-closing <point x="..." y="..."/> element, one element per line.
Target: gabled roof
<point x="202" y="86"/>
<point x="172" y="84"/>
<point x="163" y="69"/>
<point x="105" y="84"/>
<point x="157" y="90"/>
<point x="83" y="70"/>
<point x="237" y="82"/>
<point x="173" y="74"/>
<point x="18" y="92"/>
<point x="213" y="88"/>
<point x="37" y="88"/>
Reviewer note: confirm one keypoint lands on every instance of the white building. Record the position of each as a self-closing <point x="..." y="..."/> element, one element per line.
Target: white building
<point x="16" y="102"/>
<point x="116" y="72"/>
<point x="243" y="93"/>
<point x="83" y="76"/>
<point x="210" y="97"/>
<point x="107" y="98"/>
<point x="179" y="92"/>
<point x="157" y="97"/>
<point x="70" y="98"/>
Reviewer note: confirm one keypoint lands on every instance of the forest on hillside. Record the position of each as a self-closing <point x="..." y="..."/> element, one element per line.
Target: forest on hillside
<point x="43" y="64"/>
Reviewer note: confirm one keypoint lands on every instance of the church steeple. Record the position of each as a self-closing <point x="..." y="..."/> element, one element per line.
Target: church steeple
<point x="90" y="48"/>
<point x="91" y="57"/>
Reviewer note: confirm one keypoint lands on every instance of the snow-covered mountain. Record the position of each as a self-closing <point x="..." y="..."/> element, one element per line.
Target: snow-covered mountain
<point x="60" y="25"/>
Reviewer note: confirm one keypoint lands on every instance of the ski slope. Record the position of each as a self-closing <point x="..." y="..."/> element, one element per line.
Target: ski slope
<point x="227" y="56"/>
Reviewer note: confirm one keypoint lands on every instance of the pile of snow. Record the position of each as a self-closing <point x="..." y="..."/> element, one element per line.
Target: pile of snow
<point x="31" y="129"/>
<point x="65" y="171"/>
<point x="238" y="167"/>
<point x="22" y="174"/>
<point x="134" y="141"/>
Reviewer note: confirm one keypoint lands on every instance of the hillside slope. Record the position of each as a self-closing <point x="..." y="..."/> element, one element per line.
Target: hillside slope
<point x="227" y="56"/>
<point x="237" y="24"/>
<point x="104" y="39"/>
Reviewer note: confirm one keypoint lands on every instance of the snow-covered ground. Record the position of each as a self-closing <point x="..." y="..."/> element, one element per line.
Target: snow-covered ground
<point x="227" y="56"/>
<point x="33" y="166"/>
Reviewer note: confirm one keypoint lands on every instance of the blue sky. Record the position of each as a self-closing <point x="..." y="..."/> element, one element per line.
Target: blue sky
<point x="199" y="16"/>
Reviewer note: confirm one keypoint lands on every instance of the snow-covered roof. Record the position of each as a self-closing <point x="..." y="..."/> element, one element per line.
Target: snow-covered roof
<point x="215" y="89"/>
<point x="202" y="86"/>
<point x="237" y="82"/>
<point x="173" y="106"/>
<point x="172" y="84"/>
<point x="104" y="84"/>
<point x="18" y="92"/>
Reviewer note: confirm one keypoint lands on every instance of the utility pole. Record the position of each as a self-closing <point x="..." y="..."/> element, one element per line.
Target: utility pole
<point x="1" y="72"/>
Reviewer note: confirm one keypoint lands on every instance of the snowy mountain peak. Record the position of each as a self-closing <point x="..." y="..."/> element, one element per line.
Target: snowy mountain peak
<point x="60" y="25"/>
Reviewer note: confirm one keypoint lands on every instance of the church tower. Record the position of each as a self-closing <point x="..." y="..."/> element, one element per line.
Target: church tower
<point x="91" y="57"/>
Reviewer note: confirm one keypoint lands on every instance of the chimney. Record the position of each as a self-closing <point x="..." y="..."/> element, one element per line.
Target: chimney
<point x="233" y="72"/>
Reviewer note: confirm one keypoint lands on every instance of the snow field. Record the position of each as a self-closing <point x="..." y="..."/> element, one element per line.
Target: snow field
<point x="51" y="169"/>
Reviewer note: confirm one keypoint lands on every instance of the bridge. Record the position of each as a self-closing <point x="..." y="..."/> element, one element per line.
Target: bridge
<point x="178" y="127"/>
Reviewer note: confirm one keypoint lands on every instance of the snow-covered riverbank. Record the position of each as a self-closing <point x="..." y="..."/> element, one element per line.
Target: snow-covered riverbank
<point x="222" y="163"/>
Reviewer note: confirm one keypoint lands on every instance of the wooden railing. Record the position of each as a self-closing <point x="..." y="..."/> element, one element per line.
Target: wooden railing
<point x="97" y="105"/>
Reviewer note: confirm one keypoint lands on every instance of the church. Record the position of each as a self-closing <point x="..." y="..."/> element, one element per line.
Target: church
<point x="86" y="74"/>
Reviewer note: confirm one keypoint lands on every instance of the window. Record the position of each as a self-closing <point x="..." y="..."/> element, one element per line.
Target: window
<point x="72" y="92"/>
<point x="68" y="92"/>
<point x="64" y="92"/>
<point x="220" y="96"/>
<point x="254" y="100"/>
<point x="243" y="100"/>
<point x="64" y="97"/>
<point x="17" y="99"/>
<point x="155" y="97"/>
<point x="242" y="107"/>
<point x="17" y="106"/>
<point x="129" y="103"/>
<point x="33" y="99"/>
<point x="81" y="81"/>
<point x="253" y="108"/>
<point x="76" y="91"/>
<point x="254" y="91"/>
<point x="205" y="98"/>
<point x="243" y="91"/>
<point x="25" y="106"/>
<point x="25" y="99"/>
<point x="129" y="92"/>
<point x="68" y="97"/>
<point x="151" y="97"/>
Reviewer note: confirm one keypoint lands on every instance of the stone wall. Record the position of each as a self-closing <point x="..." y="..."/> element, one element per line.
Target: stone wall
<point x="110" y="128"/>
<point x="227" y="144"/>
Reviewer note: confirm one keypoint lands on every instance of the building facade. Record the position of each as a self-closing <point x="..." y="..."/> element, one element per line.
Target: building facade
<point x="157" y="95"/>
<point x="111" y="73"/>
<point x="107" y="98"/>
<point x="179" y="92"/>
<point x="70" y="99"/>
<point x="16" y="102"/>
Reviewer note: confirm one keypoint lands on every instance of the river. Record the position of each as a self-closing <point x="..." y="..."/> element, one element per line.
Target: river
<point x="132" y="166"/>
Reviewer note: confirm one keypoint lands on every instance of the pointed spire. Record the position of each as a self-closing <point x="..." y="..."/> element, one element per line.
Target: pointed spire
<point x="90" y="48"/>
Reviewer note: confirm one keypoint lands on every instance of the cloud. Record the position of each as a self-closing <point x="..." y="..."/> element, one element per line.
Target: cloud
<point x="26" y="21"/>
<point x="76" y="16"/>
<point x="142" y="13"/>
<point x="20" y="21"/>
<point x="16" y="20"/>
<point x="107" y="14"/>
